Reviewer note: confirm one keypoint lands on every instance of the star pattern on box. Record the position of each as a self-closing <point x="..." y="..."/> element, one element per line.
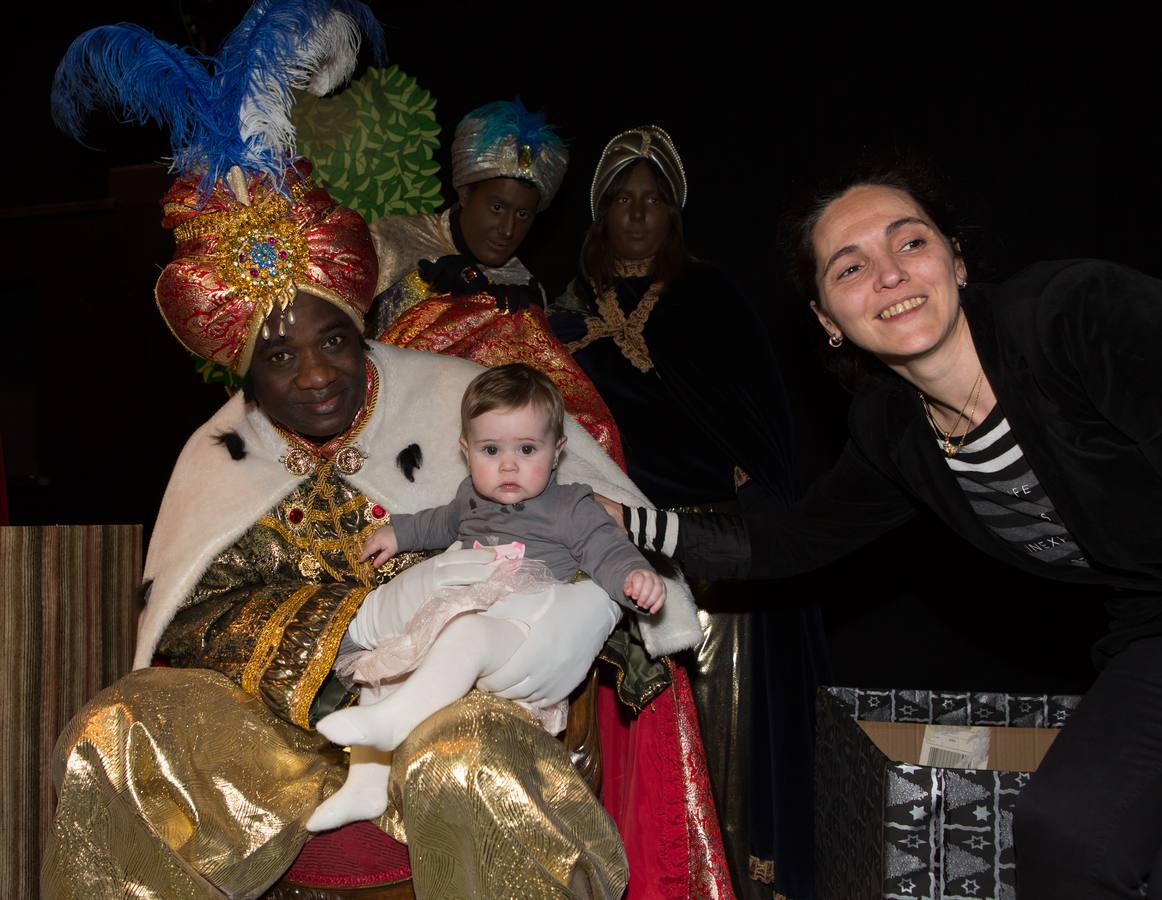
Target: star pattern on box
<point x="901" y="830"/>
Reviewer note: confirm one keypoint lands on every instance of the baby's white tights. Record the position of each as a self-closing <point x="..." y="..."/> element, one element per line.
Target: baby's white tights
<point x="470" y="647"/>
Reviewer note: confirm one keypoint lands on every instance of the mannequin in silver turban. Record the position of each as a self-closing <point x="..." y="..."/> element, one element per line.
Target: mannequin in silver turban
<point x="646" y="142"/>
<point x="505" y="140"/>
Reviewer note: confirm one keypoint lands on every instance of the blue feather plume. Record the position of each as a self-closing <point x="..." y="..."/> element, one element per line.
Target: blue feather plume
<point x="504" y="119"/>
<point x="126" y="70"/>
<point x="232" y="109"/>
<point x="280" y="45"/>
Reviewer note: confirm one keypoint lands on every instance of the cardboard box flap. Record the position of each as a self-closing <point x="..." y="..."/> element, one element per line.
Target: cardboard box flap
<point x="1010" y="749"/>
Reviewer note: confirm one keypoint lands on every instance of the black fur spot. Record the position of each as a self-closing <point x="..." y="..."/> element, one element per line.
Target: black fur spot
<point x="410" y="458"/>
<point x="233" y="443"/>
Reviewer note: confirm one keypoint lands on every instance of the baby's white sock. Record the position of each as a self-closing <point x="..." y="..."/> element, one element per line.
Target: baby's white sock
<point x="362" y="796"/>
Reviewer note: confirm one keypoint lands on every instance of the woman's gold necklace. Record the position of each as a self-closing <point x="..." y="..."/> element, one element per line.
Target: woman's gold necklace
<point x="945" y="437"/>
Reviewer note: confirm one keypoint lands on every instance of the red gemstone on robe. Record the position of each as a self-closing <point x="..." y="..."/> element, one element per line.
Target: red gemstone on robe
<point x="378" y="511"/>
<point x="295" y="515"/>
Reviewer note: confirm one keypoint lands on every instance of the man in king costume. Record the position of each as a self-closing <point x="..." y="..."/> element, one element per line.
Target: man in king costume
<point x="195" y="779"/>
<point x="451" y="282"/>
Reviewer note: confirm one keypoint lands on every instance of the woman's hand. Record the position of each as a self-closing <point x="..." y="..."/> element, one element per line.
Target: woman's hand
<point x="613" y="508"/>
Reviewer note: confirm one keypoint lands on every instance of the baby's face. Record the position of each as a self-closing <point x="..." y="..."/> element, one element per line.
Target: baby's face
<point x="511" y="453"/>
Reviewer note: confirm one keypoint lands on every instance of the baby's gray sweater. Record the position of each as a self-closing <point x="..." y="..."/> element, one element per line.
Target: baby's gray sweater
<point x="564" y="527"/>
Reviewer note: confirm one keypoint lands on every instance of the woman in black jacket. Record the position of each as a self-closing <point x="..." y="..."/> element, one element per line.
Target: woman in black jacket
<point x="1028" y="416"/>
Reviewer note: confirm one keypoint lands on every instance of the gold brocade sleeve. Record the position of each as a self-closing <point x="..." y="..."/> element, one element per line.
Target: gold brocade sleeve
<point x="270" y="611"/>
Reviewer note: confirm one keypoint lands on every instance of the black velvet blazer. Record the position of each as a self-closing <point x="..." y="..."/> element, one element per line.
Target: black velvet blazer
<point x="1073" y="351"/>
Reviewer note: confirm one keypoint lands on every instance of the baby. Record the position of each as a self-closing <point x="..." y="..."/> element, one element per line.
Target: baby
<point x="512" y="424"/>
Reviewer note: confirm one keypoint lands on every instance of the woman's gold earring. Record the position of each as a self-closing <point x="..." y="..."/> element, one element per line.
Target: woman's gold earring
<point x="834" y="341"/>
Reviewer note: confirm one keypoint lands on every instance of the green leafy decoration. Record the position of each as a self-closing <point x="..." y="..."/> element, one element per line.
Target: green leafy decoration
<point x="212" y="373"/>
<point x="372" y="144"/>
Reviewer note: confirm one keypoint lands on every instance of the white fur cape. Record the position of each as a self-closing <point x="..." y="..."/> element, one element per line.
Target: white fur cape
<point x="212" y="500"/>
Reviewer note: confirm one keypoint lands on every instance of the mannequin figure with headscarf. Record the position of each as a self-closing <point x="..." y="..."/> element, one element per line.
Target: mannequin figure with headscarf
<point x="692" y="381"/>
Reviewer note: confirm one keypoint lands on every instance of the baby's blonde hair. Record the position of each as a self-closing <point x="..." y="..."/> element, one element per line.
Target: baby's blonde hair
<point x="512" y="387"/>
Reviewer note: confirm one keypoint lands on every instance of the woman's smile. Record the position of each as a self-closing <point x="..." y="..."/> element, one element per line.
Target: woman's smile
<point x="899" y="309"/>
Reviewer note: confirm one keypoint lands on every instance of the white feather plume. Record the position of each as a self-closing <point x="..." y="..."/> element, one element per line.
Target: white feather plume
<point x="329" y="58"/>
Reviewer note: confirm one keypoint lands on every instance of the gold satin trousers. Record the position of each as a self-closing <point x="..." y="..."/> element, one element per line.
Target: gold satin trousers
<point x="174" y="783"/>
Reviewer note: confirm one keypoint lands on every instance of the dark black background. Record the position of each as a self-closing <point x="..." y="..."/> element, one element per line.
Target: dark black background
<point x="1045" y="121"/>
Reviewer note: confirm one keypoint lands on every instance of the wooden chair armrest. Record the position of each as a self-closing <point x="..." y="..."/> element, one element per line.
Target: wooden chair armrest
<point x="582" y="738"/>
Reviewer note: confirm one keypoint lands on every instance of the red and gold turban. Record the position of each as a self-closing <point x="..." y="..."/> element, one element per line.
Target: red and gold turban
<point x="246" y="250"/>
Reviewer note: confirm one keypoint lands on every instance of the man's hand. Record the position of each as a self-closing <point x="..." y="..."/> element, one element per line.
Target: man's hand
<point x="381" y="546"/>
<point x="646" y="588"/>
<point x="387" y="610"/>
<point x="561" y="646"/>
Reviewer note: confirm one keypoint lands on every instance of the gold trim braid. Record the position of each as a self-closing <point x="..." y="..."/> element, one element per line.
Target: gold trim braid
<point x="215" y="222"/>
<point x="271" y="636"/>
<point x="626" y="331"/>
<point x="324" y="659"/>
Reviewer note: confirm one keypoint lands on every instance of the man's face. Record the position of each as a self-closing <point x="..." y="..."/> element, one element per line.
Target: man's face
<point x="495" y="216"/>
<point x="311" y="380"/>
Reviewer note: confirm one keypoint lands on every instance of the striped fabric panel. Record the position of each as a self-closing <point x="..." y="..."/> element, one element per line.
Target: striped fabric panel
<point x="1004" y="491"/>
<point x="68" y="609"/>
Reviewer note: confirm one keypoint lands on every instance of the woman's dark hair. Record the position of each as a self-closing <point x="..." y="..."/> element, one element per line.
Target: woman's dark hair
<point x="597" y="257"/>
<point x="914" y="177"/>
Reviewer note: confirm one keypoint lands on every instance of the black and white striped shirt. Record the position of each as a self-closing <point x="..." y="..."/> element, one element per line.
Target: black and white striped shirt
<point x="1004" y="491"/>
<point x="991" y="470"/>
